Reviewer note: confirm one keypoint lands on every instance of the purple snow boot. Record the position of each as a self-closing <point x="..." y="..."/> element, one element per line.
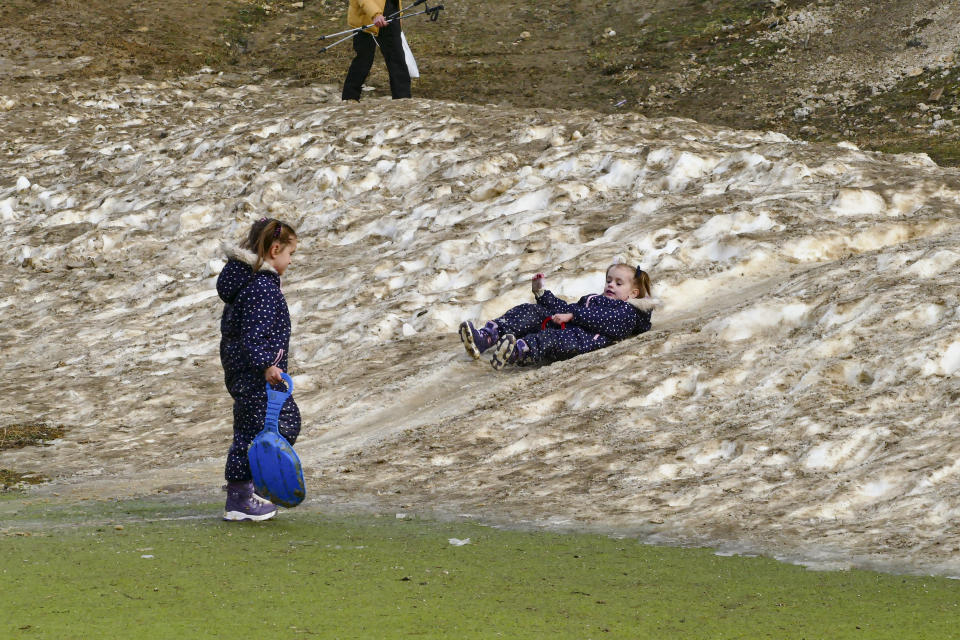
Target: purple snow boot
<point x="476" y="341"/>
<point x="509" y="351"/>
<point x="244" y="504"/>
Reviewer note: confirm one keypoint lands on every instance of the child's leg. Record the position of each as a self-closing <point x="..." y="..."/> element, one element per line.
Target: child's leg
<point x="545" y="346"/>
<point x="551" y="345"/>
<point x="242" y="503"/>
<point x="289" y="423"/>
<point x="518" y="321"/>
<point x="507" y="351"/>
<point x="248" y="416"/>
<point x="522" y="319"/>
<point x="249" y="413"/>
<point x="476" y="341"/>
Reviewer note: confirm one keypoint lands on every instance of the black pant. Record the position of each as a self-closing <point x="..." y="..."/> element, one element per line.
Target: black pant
<point x="365" y="46"/>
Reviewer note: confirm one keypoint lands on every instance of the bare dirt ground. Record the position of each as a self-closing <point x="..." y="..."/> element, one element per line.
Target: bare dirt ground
<point x="882" y="75"/>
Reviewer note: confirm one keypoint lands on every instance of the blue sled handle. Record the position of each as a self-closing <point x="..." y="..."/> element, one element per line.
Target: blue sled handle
<point x="275" y="400"/>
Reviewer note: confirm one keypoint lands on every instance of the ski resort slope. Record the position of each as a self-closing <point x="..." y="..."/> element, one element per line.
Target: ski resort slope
<point x="796" y="396"/>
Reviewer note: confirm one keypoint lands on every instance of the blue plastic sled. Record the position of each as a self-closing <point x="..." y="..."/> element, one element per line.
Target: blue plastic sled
<point x="277" y="474"/>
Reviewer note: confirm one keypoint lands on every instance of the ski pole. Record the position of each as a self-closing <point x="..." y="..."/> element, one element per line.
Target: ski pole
<point x="330" y="46"/>
<point x="433" y="11"/>
<point x="350" y="33"/>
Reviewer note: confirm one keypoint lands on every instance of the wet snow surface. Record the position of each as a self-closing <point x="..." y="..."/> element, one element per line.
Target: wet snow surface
<point x="796" y="396"/>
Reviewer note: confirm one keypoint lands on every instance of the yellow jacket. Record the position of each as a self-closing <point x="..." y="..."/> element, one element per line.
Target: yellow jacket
<point x="362" y="13"/>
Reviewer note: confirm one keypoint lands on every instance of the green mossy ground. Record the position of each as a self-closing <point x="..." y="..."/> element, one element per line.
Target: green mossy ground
<point x="15" y="436"/>
<point x="145" y="569"/>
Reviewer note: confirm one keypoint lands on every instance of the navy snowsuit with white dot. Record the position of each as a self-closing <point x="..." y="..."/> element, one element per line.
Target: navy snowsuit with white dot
<point x="254" y="335"/>
<point x="597" y="322"/>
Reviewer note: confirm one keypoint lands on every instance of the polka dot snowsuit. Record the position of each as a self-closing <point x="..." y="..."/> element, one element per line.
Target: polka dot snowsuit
<point x="255" y="334"/>
<point x="597" y="322"/>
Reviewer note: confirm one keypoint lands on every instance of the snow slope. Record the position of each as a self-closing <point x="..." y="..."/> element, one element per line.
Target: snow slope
<point x="796" y="396"/>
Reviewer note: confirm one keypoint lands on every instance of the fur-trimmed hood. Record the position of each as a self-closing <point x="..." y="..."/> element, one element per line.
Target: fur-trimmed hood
<point x="249" y="258"/>
<point x="238" y="271"/>
<point x="644" y="304"/>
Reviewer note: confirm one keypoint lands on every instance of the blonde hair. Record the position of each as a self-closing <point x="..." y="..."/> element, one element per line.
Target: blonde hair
<point x="263" y="233"/>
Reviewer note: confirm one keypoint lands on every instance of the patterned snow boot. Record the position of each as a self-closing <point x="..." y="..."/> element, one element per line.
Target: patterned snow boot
<point x="476" y="341"/>
<point x="509" y="350"/>
<point x="244" y="504"/>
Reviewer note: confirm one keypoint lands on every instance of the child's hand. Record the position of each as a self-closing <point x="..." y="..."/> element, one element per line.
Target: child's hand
<point x="272" y="374"/>
<point x="537" y="284"/>
<point x="561" y="318"/>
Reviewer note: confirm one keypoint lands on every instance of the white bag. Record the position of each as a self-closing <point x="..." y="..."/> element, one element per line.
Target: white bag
<point x="408" y="55"/>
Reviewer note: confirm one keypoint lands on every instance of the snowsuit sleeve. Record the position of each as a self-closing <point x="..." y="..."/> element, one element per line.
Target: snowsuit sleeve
<point x="552" y="303"/>
<point x="614" y="320"/>
<point x="262" y="304"/>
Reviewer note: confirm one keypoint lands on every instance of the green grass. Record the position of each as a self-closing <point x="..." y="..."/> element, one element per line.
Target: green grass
<point x="146" y="569"/>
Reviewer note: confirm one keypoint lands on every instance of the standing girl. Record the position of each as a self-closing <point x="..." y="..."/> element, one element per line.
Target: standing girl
<point x="255" y="339"/>
<point x="552" y="329"/>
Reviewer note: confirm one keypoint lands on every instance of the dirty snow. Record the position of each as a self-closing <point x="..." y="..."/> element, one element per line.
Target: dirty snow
<point x="796" y="396"/>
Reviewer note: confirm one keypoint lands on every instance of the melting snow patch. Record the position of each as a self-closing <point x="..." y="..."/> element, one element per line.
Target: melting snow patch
<point x="857" y="202"/>
<point x="950" y="362"/>
<point x="760" y="319"/>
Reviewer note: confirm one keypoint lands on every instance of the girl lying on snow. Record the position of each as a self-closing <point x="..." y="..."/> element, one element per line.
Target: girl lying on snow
<point x="553" y="329"/>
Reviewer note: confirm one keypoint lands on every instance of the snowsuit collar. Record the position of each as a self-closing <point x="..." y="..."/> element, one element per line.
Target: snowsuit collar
<point x="644" y="304"/>
<point x="238" y="272"/>
<point x="640" y="304"/>
<point x="249" y="258"/>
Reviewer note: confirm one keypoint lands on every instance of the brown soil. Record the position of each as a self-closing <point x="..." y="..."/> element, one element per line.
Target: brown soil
<point x="881" y="75"/>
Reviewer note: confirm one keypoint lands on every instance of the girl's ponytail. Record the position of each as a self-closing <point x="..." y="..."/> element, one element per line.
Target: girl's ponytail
<point x="641" y="280"/>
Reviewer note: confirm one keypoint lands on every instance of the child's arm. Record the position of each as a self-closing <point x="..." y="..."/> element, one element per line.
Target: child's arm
<point x="272" y="375"/>
<point x="537" y="284"/>
<point x="257" y="326"/>
<point x="615" y="321"/>
<point x="553" y="303"/>
<point x="546" y="298"/>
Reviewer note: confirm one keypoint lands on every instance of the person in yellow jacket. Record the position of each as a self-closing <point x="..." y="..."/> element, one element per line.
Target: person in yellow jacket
<point x="383" y="34"/>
